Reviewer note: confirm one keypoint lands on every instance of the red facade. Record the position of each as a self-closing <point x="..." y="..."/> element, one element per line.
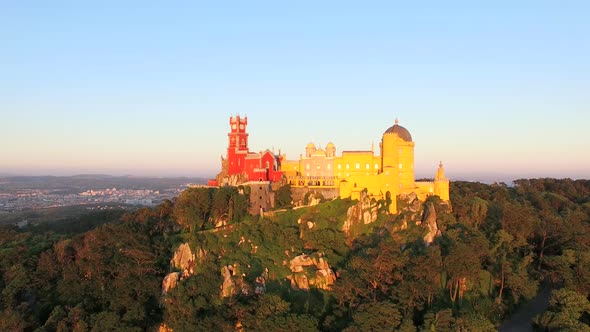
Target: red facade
<point x="263" y="166"/>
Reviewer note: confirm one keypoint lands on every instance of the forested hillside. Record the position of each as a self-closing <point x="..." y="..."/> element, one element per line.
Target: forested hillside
<point x="338" y="266"/>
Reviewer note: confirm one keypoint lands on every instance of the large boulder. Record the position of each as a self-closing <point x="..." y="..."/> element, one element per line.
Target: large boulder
<point x="362" y="213"/>
<point x="184" y="260"/>
<point x="228" y="286"/>
<point x="311" y="271"/>
<point x="296" y="264"/>
<point x="164" y="328"/>
<point x="429" y="222"/>
<point x="170" y="282"/>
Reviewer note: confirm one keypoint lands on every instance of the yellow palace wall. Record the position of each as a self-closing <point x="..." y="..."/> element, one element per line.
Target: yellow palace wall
<point x="391" y="173"/>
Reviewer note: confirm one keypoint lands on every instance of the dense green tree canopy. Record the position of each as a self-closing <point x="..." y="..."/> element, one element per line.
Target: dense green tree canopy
<point x="498" y="246"/>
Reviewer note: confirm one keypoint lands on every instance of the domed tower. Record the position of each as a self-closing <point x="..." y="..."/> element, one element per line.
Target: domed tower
<point x="309" y="150"/>
<point x="330" y="150"/>
<point x="441" y="184"/>
<point x="397" y="155"/>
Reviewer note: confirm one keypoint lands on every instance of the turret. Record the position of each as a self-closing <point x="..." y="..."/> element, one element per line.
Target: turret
<point x="441" y="183"/>
<point x="309" y="150"/>
<point x="330" y="150"/>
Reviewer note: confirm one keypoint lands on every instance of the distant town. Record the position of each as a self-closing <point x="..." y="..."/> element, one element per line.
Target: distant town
<point x="30" y="193"/>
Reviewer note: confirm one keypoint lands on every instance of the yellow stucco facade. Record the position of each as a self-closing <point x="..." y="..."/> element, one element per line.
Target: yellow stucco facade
<point x="384" y="176"/>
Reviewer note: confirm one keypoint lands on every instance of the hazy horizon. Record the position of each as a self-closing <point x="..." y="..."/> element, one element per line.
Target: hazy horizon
<point x="494" y="91"/>
<point x="484" y="178"/>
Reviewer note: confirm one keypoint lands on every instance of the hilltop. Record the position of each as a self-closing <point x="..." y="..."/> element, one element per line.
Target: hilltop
<point x="201" y="262"/>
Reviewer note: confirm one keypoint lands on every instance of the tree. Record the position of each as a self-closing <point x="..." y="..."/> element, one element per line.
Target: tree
<point x="463" y="258"/>
<point x="283" y="197"/>
<point x="565" y="312"/>
<point x="380" y="316"/>
<point x="441" y="321"/>
<point x="192" y="208"/>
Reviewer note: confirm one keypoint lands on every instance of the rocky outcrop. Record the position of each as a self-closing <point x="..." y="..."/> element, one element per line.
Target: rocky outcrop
<point x="429" y="222"/>
<point x="228" y="286"/>
<point x="362" y="213"/>
<point x="414" y="203"/>
<point x="184" y="260"/>
<point x="311" y="271"/>
<point x="233" y="180"/>
<point x="164" y="328"/>
<point x="260" y="283"/>
<point x="170" y="282"/>
<point x="221" y="221"/>
<point x="313" y="200"/>
<point x="234" y="283"/>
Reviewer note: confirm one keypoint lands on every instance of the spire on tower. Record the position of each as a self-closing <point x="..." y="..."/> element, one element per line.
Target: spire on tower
<point x="440" y="173"/>
<point x="396" y="120"/>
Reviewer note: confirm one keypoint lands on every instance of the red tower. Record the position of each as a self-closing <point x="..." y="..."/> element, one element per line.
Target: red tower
<point x="261" y="166"/>
<point x="238" y="144"/>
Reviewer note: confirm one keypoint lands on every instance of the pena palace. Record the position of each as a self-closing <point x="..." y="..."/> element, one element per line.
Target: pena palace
<point x="385" y="175"/>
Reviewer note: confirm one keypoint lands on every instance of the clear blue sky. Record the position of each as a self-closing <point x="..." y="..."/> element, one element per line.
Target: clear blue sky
<point x="494" y="89"/>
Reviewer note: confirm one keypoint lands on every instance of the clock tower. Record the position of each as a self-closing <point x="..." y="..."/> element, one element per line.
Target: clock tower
<point x="238" y="144"/>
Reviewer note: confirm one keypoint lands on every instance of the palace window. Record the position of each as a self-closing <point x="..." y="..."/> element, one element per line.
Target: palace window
<point x="358" y="165"/>
<point x="347" y="166"/>
<point x="376" y="166"/>
<point x="329" y="166"/>
<point x="401" y="165"/>
<point x="318" y="166"/>
<point x="307" y="166"/>
<point x="339" y="166"/>
<point x="368" y="166"/>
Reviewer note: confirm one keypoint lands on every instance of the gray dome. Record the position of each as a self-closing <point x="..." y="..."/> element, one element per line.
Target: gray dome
<point x="400" y="131"/>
